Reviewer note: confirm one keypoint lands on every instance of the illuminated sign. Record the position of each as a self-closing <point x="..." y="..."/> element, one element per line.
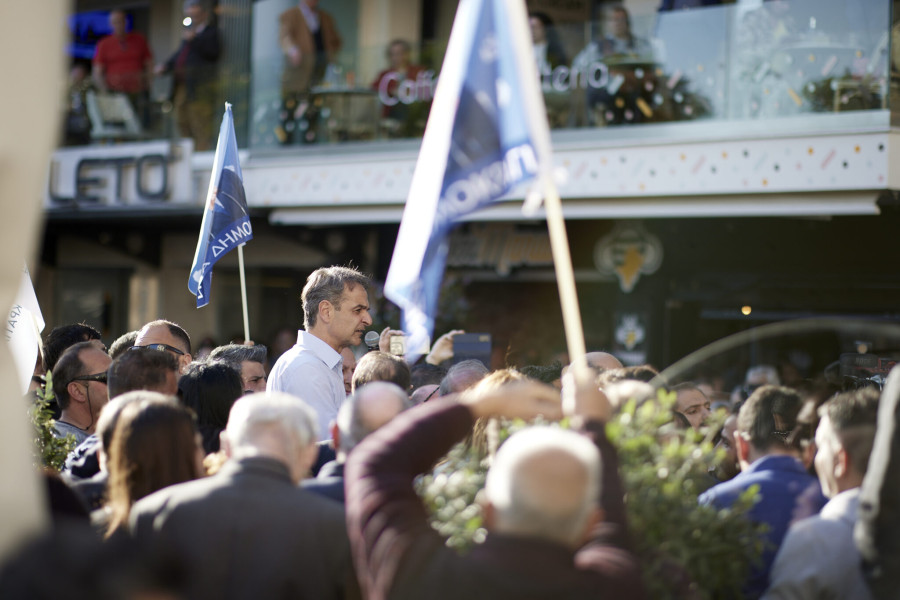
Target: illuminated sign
<point x="127" y="174"/>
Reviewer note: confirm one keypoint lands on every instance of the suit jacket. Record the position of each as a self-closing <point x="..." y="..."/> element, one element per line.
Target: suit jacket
<point x="399" y="555"/>
<point x="199" y="69"/>
<point x="248" y="532"/>
<point x="329" y="482"/>
<point x="293" y="31"/>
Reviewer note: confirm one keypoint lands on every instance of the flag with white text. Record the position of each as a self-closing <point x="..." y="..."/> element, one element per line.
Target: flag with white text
<point x="487" y="132"/>
<point x="24" y="325"/>
<point x="226" y="220"/>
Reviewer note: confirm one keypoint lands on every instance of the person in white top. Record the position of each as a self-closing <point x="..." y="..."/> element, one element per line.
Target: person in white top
<point x="819" y="558"/>
<point x="336" y="315"/>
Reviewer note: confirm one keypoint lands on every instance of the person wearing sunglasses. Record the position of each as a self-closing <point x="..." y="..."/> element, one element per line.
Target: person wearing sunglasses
<point x="166" y="336"/>
<point x="79" y="380"/>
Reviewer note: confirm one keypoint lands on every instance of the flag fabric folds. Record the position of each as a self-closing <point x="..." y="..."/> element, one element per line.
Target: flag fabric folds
<point x="226" y="221"/>
<point x="24" y="325"/>
<point x="487" y="132"/>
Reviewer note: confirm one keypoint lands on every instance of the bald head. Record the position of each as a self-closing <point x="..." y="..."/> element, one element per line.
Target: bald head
<point x="544" y="483"/>
<point x="366" y="410"/>
<point x="602" y="360"/>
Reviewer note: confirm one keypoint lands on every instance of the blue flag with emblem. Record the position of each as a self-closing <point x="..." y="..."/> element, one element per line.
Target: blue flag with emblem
<point x="226" y="221"/>
<point x="487" y="132"/>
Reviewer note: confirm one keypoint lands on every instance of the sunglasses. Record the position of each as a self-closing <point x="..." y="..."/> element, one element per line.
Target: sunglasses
<point x="99" y="377"/>
<point x="161" y="348"/>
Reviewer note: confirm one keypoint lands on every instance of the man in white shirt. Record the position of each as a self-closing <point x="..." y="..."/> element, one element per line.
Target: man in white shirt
<point x="336" y="315"/>
<point x="818" y="558"/>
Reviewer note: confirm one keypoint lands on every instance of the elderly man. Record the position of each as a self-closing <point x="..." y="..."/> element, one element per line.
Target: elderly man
<point x="545" y="492"/>
<point x="250" y="361"/>
<point x="336" y="314"/>
<point x="462" y="376"/>
<point x="818" y="558"/>
<point x="248" y="531"/>
<point x="785" y="488"/>
<point x="166" y="336"/>
<point x="367" y="409"/>
<point x="348" y="368"/>
<point x="692" y="403"/>
<point x="80" y="384"/>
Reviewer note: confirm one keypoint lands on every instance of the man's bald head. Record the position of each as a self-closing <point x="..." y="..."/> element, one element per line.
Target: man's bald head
<point x="602" y="360"/>
<point x="367" y="409"/>
<point x="545" y="483"/>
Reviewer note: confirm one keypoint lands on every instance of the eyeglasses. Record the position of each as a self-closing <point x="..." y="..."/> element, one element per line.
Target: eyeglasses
<point x="161" y="348"/>
<point x="99" y="377"/>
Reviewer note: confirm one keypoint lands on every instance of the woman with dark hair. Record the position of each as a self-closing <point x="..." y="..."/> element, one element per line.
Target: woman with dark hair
<point x="155" y="444"/>
<point x="209" y="389"/>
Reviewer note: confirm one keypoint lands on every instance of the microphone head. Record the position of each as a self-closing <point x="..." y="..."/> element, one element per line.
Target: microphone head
<point x="372" y="338"/>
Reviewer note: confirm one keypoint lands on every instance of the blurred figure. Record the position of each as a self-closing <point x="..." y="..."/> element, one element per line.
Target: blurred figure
<point x="123" y="343"/>
<point x="123" y="63"/>
<point x="462" y="376"/>
<point x="381" y="366"/>
<point x="310" y="41"/>
<point x="348" y="367"/>
<point x="692" y="403"/>
<point x="393" y="85"/>
<point x="367" y="409"/>
<point x="729" y="467"/>
<point x="193" y="67"/>
<point x="818" y="558"/>
<point x="548" y="49"/>
<point x="210" y="389"/>
<point x="764" y="423"/>
<point x="79" y="381"/>
<point x="250" y="362"/>
<point x="155" y="444"/>
<point x="275" y="538"/>
<point x="64" y="336"/>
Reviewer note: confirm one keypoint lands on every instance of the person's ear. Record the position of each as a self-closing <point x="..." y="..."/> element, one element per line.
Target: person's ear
<point x="742" y="445"/>
<point x="335" y="436"/>
<point x="76" y="391"/>
<point x="326" y="311"/>
<point x="841" y="463"/>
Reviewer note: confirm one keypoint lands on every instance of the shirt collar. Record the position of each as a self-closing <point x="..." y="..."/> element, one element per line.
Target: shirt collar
<point x="319" y="348"/>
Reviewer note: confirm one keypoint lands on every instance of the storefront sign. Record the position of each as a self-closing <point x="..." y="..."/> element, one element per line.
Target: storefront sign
<point x="395" y="89"/>
<point x="499" y="247"/>
<point x="125" y="174"/>
<point x="627" y="252"/>
<point x="630" y="338"/>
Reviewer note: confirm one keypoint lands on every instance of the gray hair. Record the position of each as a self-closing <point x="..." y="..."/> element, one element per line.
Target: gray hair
<point x="537" y="500"/>
<point x="257" y="415"/>
<point x="355" y="418"/>
<point x="462" y="375"/>
<point x="328" y="283"/>
<point x="235" y="354"/>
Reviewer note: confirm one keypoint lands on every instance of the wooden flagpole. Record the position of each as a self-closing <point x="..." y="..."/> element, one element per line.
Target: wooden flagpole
<point x="244" y="292"/>
<point x="565" y="275"/>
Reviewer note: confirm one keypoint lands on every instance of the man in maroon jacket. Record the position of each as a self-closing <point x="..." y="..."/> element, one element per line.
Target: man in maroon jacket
<point x="554" y="509"/>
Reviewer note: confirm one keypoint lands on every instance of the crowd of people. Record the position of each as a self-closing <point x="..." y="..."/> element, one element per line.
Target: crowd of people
<point x="224" y="479"/>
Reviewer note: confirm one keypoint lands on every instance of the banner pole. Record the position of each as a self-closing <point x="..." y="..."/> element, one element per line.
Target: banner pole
<point x="565" y="275"/>
<point x="244" y="293"/>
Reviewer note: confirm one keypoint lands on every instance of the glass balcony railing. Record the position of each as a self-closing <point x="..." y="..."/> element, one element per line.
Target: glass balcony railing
<point x="759" y="64"/>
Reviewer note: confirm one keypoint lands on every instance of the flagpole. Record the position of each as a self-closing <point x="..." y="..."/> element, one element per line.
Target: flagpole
<point x="565" y="275"/>
<point x="244" y="292"/>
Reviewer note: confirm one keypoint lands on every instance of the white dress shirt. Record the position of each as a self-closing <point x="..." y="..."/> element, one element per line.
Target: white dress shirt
<point x="311" y="370"/>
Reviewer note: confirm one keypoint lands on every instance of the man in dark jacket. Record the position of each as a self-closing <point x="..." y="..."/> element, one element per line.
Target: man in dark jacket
<point x="193" y="67"/>
<point x="555" y="518"/>
<point x="248" y="531"/>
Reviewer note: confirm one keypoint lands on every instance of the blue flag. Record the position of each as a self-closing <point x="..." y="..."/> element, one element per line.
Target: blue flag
<point x="487" y="133"/>
<point x="226" y="222"/>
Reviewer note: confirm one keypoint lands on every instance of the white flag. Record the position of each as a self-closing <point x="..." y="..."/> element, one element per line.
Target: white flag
<point x="24" y="325"/>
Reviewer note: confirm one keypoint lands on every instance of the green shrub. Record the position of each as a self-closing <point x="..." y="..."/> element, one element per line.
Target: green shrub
<point x="50" y="451"/>
<point x="684" y="549"/>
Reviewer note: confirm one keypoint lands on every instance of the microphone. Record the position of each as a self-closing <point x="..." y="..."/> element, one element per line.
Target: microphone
<point x="372" y="338"/>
